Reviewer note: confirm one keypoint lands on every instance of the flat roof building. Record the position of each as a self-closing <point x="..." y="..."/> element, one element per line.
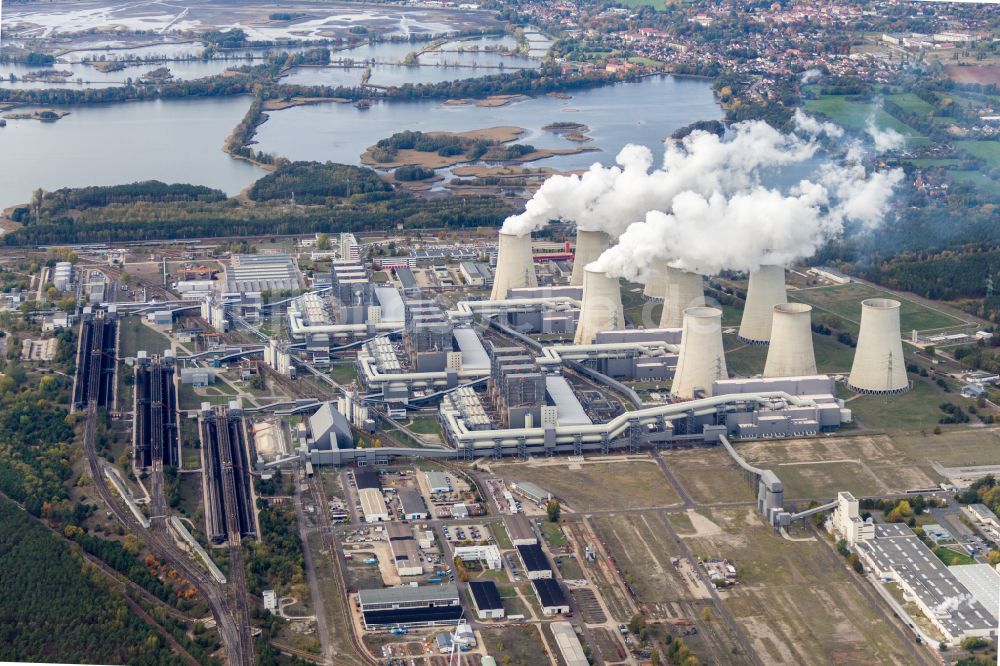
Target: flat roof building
<point x="367" y="478"/>
<point x="262" y="272"/>
<point x="413" y="504"/>
<point x="536" y="565"/>
<point x="489" y="555"/>
<point x="405" y="553"/>
<point x="408" y="605"/>
<point x="569" y="644"/>
<point x="569" y="411"/>
<point x="519" y="529"/>
<point x="437" y="482"/>
<point x="550" y="596"/>
<point x="531" y="491"/>
<point x="373" y="505"/>
<point x="486" y="599"/>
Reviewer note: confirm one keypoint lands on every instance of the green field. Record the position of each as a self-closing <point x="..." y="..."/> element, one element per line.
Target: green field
<point x="344" y="373"/>
<point x="953" y="447"/>
<point x="844" y="301"/>
<point x="911" y="103"/>
<point x="952" y="557"/>
<point x="855" y="115"/>
<point x="825" y="480"/>
<point x="913" y="410"/>
<point x="136" y="336"/>
<point x="985" y="150"/>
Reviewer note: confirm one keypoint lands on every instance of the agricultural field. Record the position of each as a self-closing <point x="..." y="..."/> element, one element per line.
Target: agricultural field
<point x="795" y="601"/>
<point x="855" y="116"/>
<point x="844" y="301"/>
<point x="911" y="103"/>
<point x="598" y="485"/>
<point x="984" y="150"/>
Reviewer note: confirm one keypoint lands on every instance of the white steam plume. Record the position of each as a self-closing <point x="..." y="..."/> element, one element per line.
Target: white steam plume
<point x="808" y="124"/>
<point x="885" y="139"/>
<point x="609" y="199"/>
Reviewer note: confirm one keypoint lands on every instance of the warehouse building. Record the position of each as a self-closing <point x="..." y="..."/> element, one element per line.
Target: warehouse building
<point x="486" y="600"/>
<point x="531" y="492"/>
<point x="898" y="554"/>
<point x="569" y="644"/>
<point x="519" y="529"/>
<point x="983" y="515"/>
<point x="412" y="504"/>
<point x="262" y="272"/>
<point x="405" y="553"/>
<point x="536" y="565"/>
<point x="437" y="482"/>
<point x="330" y="432"/>
<point x="367" y="478"/>
<point x="373" y="505"/>
<point x="424" y="605"/>
<point x="550" y="596"/>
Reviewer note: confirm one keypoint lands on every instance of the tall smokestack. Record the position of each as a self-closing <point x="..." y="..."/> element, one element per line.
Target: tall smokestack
<point x="681" y="290"/>
<point x="602" y="306"/>
<point x="766" y="289"/>
<point x="589" y="246"/>
<point x="878" y="360"/>
<point x="791" y="351"/>
<point x="515" y="265"/>
<point x="702" y="360"/>
<point x="656" y="280"/>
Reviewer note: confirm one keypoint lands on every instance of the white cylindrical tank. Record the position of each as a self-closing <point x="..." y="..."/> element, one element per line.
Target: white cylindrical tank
<point x="515" y="265"/>
<point x="702" y="360"/>
<point x="791" y="351"/>
<point x="878" y="360"/>
<point x="589" y="246"/>
<point x="681" y="290"/>
<point x="766" y="289"/>
<point x="655" y="280"/>
<point x="602" y="306"/>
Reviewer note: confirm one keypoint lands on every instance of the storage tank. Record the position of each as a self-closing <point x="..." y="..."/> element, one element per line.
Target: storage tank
<point x="589" y="246"/>
<point x="878" y="359"/>
<point x="791" y="351"/>
<point x="766" y="289"/>
<point x="701" y="361"/>
<point x="655" y="280"/>
<point x="602" y="306"/>
<point x="515" y="265"/>
<point x="681" y="290"/>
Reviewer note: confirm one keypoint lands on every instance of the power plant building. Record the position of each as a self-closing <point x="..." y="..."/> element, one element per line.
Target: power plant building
<point x="878" y="366"/>
<point x="589" y="246"/>
<point x="602" y="306"/>
<point x="515" y="265"/>
<point x="701" y="361"/>
<point x="791" y="352"/>
<point x="765" y="290"/>
<point x="681" y="290"/>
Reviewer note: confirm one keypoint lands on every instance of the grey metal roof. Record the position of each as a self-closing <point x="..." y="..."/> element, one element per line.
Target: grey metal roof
<point x="569" y="411"/>
<point x="408" y="593"/>
<point x="391" y="303"/>
<point x="406" y="278"/>
<point x="983" y="582"/>
<point x="412" y="501"/>
<point x="474" y="356"/>
<point x="329" y="427"/>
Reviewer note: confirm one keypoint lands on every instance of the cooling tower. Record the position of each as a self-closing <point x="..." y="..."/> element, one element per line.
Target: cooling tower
<point x="878" y="360"/>
<point x="515" y="265"/>
<point x="766" y="289"/>
<point x="701" y="360"/>
<point x="681" y="290"/>
<point x="602" y="306"/>
<point x="655" y="280"/>
<point x="589" y="246"/>
<point x="791" y="351"/>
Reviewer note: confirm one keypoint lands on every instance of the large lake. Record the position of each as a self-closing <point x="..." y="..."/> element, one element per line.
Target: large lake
<point x="181" y="140"/>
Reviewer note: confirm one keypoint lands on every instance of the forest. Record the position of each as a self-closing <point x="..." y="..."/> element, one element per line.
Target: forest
<point x="314" y="183"/>
<point x="447" y="145"/>
<point x="276" y="561"/>
<point x="57" y="610"/>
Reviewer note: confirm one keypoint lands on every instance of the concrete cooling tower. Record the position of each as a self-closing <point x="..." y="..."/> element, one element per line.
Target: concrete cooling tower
<point x="766" y="289"/>
<point x="878" y="360"/>
<point x="602" y="306"/>
<point x="515" y="265"/>
<point x="681" y="290"/>
<point x="656" y="280"/>
<point x="701" y="360"/>
<point x="791" y="351"/>
<point x="589" y="246"/>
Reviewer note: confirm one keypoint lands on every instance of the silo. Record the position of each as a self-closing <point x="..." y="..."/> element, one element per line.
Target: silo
<point x="766" y="289"/>
<point x="602" y="306"/>
<point x="589" y="246"/>
<point x="791" y="351"/>
<point x="681" y="290"/>
<point x="701" y="361"/>
<point x="878" y="360"/>
<point x="655" y="279"/>
<point x="515" y="265"/>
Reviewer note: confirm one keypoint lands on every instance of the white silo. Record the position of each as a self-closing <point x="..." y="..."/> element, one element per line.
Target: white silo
<point x="791" y="351"/>
<point x="681" y="290"/>
<point x="589" y="246"/>
<point x="602" y="306"/>
<point x="515" y="265"/>
<point x="702" y="360"/>
<point x="655" y="279"/>
<point x="766" y="289"/>
<point x="878" y="360"/>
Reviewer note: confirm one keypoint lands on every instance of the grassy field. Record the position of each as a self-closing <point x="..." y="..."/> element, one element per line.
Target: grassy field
<point x="831" y="623"/>
<point x="515" y="645"/>
<point x="844" y="301"/>
<point x="953" y="448"/>
<point x="825" y="480"/>
<point x="593" y="486"/>
<point x="985" y="150"/>
<point x="914" y="410"/>
<point x="911" y="103"/>
<point x="425" y="425"/>
<point x="952" y="557"/>
<point x="708" y="475"/>
<point x="855" y="116"/>
<point x="136" y="336"/>
<point x="344" y="373"/>
<point x="748" y="360"/>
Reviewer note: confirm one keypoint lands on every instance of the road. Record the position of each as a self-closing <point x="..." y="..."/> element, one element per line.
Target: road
<point x="163" y="546"/>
